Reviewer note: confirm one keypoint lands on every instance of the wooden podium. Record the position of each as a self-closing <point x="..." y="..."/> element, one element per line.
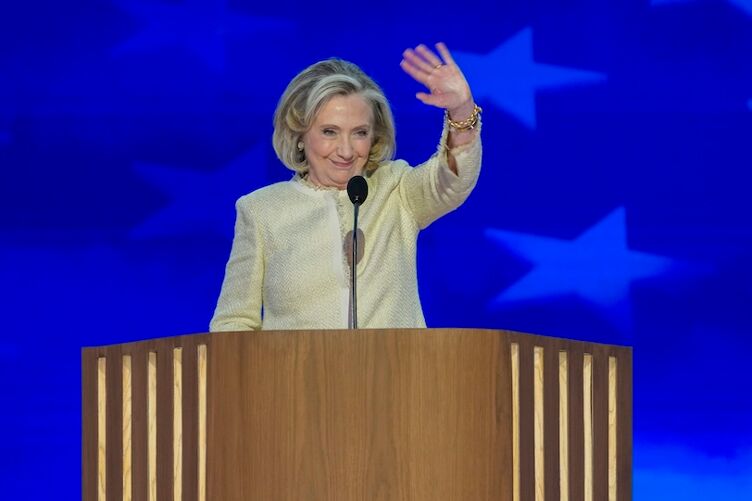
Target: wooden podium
<point x="415" y="414"/>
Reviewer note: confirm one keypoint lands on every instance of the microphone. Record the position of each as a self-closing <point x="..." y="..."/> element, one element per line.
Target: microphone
<point x="357" y="190"/>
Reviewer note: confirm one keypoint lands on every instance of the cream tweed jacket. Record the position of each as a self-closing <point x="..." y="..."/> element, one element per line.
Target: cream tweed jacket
<point x="288" y="268"/>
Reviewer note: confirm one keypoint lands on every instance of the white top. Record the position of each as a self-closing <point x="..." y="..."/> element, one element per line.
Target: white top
<point x="288" y="268"/>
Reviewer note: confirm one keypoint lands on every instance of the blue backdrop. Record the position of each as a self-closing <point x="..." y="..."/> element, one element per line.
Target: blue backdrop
<point x="613" y="202"/>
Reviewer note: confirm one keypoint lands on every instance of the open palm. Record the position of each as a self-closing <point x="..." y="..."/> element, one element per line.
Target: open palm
<point x="444" y="80"/>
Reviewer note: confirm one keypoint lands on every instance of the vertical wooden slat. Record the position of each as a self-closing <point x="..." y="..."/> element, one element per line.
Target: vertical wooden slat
<point x="164" y="420"/>
<point x="612" y="426"/>
<point x="102" y="429"/>
<point x="527" y="430"/>
<point x="503" y="487"/>
<point x="576" y="435"/>
<point x="127" y="420"/>
<point x="190" y="420"/>
<point x="152" y="426"/>
<point x="89" y="424"/>
<point x="202" y="412"/>
<point x="538" y="424"/>
<point x="587" y="423"/>
<point x="114" y="424"/>
<point x="563" y="367"/>
<point x="600" y="423"/>
<point x="515" y="360"/>
<point x="624" y="420"/>
<point x="177" y="424"/>
<point x="139" y="385"/>
<point x="551" y="424"/>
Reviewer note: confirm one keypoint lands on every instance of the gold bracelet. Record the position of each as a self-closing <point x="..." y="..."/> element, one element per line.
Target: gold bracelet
<point x="468" y="124"/>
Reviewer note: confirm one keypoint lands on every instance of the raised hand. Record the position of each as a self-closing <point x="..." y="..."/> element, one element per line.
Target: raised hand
<point x="447" y="86"/>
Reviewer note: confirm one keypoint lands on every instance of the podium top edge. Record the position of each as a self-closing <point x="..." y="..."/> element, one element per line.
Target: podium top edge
<point x="206" y="337"/>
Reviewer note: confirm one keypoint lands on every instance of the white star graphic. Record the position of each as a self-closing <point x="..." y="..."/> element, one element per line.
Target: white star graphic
<point x="200" y="26"/>
<point x="509" y="76"/>
<point x="597" y="265"/>
<point x="201" y="202"/>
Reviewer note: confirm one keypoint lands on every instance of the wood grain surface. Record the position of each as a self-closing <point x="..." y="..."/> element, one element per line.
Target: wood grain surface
<point x="375" y="415"/>
<point x="357" y="415"/>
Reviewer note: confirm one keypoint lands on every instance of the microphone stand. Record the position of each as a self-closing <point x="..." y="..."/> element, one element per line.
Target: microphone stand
<point x="353" y="274"/>
<point x="357" y="191"/>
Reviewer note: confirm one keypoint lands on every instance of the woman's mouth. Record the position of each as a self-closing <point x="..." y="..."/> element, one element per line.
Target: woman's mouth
<point x="342" y="165"/>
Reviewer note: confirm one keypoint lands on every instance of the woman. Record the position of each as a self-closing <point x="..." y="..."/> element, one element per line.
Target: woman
<point x="288" y="268"/>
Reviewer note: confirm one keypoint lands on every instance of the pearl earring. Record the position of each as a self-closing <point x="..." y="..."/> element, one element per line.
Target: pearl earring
<point x="300" y="145"/>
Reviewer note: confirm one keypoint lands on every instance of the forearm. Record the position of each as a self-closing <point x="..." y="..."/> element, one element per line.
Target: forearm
<point x="239" y="303"/>
<point x="460" y="137"/>
<point x="436" y="187"/>
<point x="237" y="308"/>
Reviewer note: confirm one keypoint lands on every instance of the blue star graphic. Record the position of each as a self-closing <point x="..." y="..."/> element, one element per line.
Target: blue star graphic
<point x="745" y="5"/>
<point x="509" y="76"/>
<point x="597" y="265"/>
<point x="201" y="202"/>
<point x="198" y="25"/>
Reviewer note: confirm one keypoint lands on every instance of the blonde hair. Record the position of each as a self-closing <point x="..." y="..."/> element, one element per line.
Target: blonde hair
<point x="309" y="91"/>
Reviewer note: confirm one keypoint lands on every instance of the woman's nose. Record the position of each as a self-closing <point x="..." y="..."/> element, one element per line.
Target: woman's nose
<point x="344" y="148"/>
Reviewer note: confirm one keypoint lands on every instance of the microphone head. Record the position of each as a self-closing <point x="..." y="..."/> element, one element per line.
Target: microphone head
<point x="357" y="189"/>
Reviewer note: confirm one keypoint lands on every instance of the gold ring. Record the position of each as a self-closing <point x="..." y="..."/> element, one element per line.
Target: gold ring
<point x="438" y="66"/>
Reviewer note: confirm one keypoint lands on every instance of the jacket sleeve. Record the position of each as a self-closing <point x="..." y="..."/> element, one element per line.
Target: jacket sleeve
<point x="431" y="189"/>
<point x="240" y="301"/>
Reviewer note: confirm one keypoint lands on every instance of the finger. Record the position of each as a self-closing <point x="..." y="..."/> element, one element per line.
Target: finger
<point x="429" y="99"/>
<point x="445" y="55"/>
<point x="418" y="61"/>
<point x="418" y="74"/>
<point x="429" y="56"/>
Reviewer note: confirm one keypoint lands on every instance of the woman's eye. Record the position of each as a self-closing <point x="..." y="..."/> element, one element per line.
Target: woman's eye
<point x="362" y="133"/>
<point x="328" y="132"/>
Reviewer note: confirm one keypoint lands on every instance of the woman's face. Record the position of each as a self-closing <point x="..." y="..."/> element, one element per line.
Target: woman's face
<point x="339" y="140"/>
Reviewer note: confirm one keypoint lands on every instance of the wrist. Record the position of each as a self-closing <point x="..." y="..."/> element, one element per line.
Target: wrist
<point x="467" y="124"/>
<point x="463" y="111"/>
